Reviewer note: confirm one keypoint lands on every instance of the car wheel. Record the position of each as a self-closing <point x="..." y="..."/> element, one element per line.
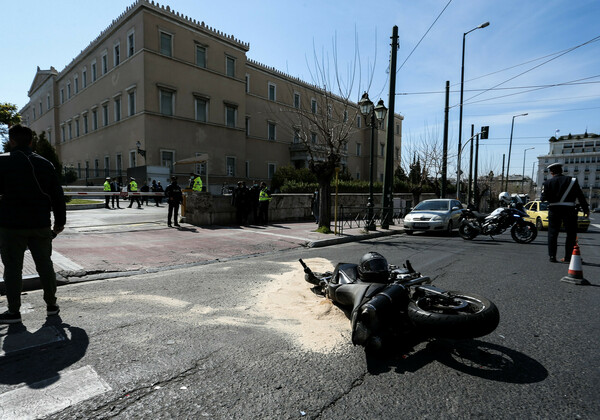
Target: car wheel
<point x="538" y="224"/>
<point x="449" y="229"/>
<point x="408" y="232"/>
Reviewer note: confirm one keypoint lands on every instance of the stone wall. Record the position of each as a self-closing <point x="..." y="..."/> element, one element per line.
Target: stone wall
<point x="202" y="209"/>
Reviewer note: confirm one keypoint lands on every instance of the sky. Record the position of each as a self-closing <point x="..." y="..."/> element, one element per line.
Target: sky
<point x="540" y="57"/>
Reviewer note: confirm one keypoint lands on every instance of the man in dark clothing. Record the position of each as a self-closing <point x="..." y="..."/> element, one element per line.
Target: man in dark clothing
<point x="115" y="187"/>
<point x="145" y="188"/>
<point x="29" y="192"/>
<point x="264" y="196"/>
<point x="174" y="198"/>
<point x="253" y="194"/>
<point x="239" y="200"/>
<point x="560" y="192"/>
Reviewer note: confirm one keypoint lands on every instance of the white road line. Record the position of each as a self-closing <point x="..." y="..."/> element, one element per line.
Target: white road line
<point x="64" y="262"/>
<point x="52" y="395"/>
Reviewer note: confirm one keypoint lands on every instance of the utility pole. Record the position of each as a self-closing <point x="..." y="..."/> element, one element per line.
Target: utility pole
<point x="445" y="147"/>
<point x="388" y="179"/>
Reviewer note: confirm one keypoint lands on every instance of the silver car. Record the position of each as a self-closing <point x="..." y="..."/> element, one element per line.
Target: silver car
<point x="441" y="214"/>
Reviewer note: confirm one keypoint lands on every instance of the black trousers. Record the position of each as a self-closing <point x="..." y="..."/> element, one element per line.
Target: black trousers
<point x="263" y="212"/>
<point x="115" y="197"/>
<point x="174" y="212"/>
<point x="557" y="216"/>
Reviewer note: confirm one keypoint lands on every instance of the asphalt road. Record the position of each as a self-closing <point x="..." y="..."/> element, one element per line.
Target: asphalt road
<point x="245" y="339"/>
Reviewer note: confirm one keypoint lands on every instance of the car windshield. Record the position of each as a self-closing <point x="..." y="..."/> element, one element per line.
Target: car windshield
<point x="433" y="205"/>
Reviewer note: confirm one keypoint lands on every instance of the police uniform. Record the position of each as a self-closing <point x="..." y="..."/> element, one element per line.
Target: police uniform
<point x="263" y="204"/>
<point x="561" y="192"/>
<point x="107" y="189"/>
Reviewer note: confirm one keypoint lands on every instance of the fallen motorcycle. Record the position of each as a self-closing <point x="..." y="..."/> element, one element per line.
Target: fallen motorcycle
<point x="386" y="300"/>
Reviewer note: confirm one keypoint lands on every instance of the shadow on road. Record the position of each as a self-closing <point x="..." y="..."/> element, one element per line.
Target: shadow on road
<point x="40" y="365"/>
<point x="474" y="357"/>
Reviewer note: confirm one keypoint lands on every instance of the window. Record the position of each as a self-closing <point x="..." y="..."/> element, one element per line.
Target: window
<point x="33" y="111"/>
<point x="62" y="133"/>
<point x="94" y="119"/>
<point x="381" y="149"/>
<point x="313" y="105"/>
<point x="247" y="83"/>
<point x="297" y="100"/>
<point x="201" y="56"/>
<point x="313" y="138"/>
<point x="167" y="157"/>
<point x="76" y="84"/>
<point x="230" y="163"/>
<point x="358" y="121"/>
<point x="358" y="149"/>
<point x="62" y="96"/>
<point x="271" y="129"/>
<point x="104" y="63"/>
<point x="84" y="78"/>
<point x="247" y="126"/>
<point x="96" y="168"/>
<point x="230" y="66"/>
<point x="397" y="129"/>
<point x="85" y="124"/>
<point x="200" y="167"/>
<point x="78" y="169"/>
<point x="358" y="175"/>
<point x="166" y="44"/>
<point x="77" y="128"/>
<point x="119" y="164"/>
<point x="230" y="115"/>
<point x="104" y="115"/>
<point x="118" y="108"/>
<point x="130" y="43"/>
<point x="201" y="110"/>
<point x="68" y="90"/>
<point x="117" y="54"/>
<point x="132" y="156"/>
<point x="296" y="139"/>
<point x="247" y="169"/>
<point x="70" y="128"/>
<point x="48" y="102"/>
<point x="131" y="103"/>
<point x="166" y="102"/>
<point x="94" y="73"/>
<point x="41" y="110"/>
<point x="106" y="166"/>
<point x="271" y="170"/>
<point x="272" y="92"/>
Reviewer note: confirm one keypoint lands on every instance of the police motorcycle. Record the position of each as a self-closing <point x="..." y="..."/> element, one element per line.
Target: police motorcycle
<point x="495" y="223"/>
<point x="386" y="301"/>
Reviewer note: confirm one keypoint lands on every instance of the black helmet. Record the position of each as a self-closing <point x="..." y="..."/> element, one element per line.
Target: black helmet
<point x="373" y="267"/>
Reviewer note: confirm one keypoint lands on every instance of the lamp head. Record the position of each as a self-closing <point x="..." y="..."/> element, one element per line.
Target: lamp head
<point x="483" y="25"/>
<point x="365" y="104"/>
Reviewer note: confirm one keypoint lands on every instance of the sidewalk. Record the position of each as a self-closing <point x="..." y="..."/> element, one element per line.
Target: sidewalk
<point x="91" y="251"/>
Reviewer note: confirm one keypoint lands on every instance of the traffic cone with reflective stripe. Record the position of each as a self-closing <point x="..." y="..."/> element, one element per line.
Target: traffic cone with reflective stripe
<point x="575" y="274"/>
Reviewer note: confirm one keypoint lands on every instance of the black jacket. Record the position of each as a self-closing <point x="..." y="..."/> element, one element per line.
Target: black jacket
<point x="30" y="190"/>
<point x="173" y="193"/>
<point x="555" y="187"/>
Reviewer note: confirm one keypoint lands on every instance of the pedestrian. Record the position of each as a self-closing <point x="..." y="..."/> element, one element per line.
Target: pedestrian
<point x="107" y="188"/>
<point x="263" y="204"/>
<point x="160" y="188"/>
<point x="132" y="187"/>
<point x="239" y="201"/>
<point x="145" y="188"/>
<point x="115" y="187"/>
<point x="154" y="188"/>
<point x="253" y="194"/>
<point x="195" y="182"/>
<point x="29" y="192"/>
<point x="174" y="198"/>
<point x="560" y="192"/>
<point x="315" y="205"/>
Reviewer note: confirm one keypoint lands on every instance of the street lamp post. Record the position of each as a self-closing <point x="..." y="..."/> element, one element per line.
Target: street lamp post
<point x="523" y="177"/>
<point x="371" y="114"/>
<point x="512" y="126"/>
<point x="462" y="83"/>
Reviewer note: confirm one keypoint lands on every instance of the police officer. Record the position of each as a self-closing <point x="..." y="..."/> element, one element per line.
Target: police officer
<point x="195" y="182"/>
<point x="263" y="204"/>
<point x="29" y="192"/>
<point x="115" y="187"/>
<point x="107" y="189"/>
<point x="133" y="188"/>
<point x="174" y="198"/>
<point x="560" y="192"/>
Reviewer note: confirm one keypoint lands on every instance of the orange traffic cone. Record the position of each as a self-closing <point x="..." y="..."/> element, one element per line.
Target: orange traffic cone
<point x="575" y="275"/>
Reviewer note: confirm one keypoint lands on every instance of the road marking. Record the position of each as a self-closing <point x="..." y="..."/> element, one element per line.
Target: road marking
<point x="596" y="226"/>
<point x="64" y="262"/>
<point x="52" y="395"/>
<point x="26" y="340"/>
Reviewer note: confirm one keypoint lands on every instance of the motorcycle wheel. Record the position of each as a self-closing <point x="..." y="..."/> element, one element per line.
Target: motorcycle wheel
<point x="524" y="233"/>
<point x="466" y="231"/>
<point x="466" y="316"/>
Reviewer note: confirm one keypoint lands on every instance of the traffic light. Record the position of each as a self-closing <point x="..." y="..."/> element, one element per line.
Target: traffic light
<point x="485" y="131"/>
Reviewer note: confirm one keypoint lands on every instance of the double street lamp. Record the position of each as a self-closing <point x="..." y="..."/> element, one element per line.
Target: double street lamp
<point x="371" y="113"/>
<point x="462" y="82"/>
<point x="512" y="126"/>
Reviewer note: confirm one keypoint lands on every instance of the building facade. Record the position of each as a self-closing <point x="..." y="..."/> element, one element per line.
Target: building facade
<point x="182" y="89"/>
<point x="580" y="156"/>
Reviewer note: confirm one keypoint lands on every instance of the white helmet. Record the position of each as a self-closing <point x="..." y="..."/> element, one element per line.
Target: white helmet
<point x="504" y="197"/>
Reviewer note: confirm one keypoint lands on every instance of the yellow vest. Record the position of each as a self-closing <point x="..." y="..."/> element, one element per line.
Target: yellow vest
<point x="106" y="186"/>
<point x="197" y="184"/>
<point x="263" y="196"/>
<point x="133" y="186"/>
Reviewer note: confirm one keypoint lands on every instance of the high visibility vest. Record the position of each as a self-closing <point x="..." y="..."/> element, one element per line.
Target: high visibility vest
<point x="264" y="196"/>
<point x="106" y="186"/>
<point x="133" y="186"/>
<point x="197" y="184"/>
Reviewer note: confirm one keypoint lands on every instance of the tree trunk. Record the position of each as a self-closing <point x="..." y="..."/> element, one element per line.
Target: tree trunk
<point x="325" y="203"/>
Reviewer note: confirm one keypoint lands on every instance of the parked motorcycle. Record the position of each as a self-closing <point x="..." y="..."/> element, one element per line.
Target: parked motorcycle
<point x="474" y="223"/>
<point x="386" y="300"/>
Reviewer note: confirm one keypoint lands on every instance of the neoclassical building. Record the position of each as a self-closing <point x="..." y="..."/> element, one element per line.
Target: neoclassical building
<point x="580" y="156"/>
<point x="183" y="89"/>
